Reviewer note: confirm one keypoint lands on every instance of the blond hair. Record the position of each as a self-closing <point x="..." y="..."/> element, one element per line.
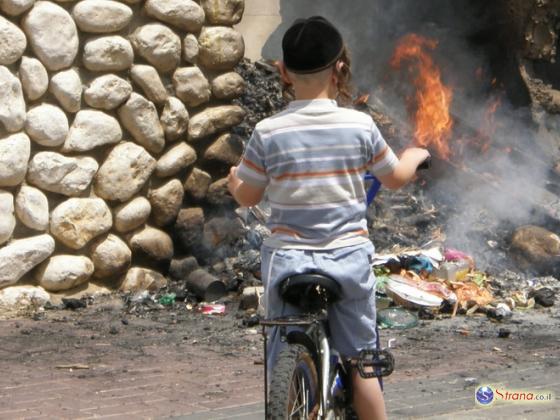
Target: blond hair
<point x="343" y="75"/>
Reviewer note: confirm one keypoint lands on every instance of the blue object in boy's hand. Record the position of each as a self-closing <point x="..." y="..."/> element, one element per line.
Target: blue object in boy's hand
<point x="373" y="189"/>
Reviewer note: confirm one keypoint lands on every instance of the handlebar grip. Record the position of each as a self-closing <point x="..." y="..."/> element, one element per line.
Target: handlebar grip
<point x="427" y="164"/>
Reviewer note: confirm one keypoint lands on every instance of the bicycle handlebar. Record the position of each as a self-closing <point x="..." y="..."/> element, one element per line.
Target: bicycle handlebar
<point x="376" y="184"/>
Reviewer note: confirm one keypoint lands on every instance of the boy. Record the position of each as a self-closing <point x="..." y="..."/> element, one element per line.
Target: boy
<point x="311" y="159"/>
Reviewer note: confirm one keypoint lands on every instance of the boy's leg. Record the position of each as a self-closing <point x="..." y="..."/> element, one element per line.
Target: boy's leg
<point x="352" y="320"/>
<point x="276" y="265"/>
<point x="368" y="398"/>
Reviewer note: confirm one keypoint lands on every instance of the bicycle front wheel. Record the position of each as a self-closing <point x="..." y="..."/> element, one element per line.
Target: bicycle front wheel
<point x="294" y="389"/>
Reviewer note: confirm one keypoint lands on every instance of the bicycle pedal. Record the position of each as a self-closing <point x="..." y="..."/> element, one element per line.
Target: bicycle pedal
<point x="382" y="363"/>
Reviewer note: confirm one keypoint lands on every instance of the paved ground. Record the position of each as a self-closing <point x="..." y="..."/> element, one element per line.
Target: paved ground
<point x="174" y="364"/>
<point x="446" y="397"/>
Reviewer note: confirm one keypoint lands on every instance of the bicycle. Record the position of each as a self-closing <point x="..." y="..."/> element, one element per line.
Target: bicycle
<point x="310" y="379"/>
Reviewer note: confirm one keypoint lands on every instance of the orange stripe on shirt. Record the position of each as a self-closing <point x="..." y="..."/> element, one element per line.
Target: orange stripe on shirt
<point x="379" y="156"/>
<point x="286" y="231"/>
<point x="320" y="174"/>
<point x="253" y="166"/>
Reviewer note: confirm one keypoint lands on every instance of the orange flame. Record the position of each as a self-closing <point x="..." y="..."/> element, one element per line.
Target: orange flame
<point x="433" y="122"/>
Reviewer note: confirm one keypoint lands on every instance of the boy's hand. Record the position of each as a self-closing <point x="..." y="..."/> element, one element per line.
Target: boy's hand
<point x="415" y="154"/>
<point x="406" y="169"/>
<point x="245" y="194"/>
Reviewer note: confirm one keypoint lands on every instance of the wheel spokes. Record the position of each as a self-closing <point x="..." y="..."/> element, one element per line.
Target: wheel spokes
<point x="300" y="407"/>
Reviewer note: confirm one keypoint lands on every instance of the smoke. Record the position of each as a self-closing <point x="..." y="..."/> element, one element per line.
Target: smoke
<point x="500" y="186"/>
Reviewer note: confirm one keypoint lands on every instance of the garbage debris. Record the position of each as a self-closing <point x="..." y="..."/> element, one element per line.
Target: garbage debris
<point x="73" y="304"/>
<point x="398" y="318"/>
<point x="544" y="296"/>
<point x="212" y="309"/>
<point x="410" y="296"/>
<point x="500" y="312"/>
<point x="504" y="333"/>
<point x="432" y="281"/>
<point x="167" y="299"/>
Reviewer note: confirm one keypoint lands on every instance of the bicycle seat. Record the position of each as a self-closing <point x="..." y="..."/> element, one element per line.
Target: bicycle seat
<point x="311" y="292"/>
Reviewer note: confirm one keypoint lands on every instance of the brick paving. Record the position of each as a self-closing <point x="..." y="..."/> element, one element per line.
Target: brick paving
<point x="160" y="370"/>
<point x="445" y="397"/>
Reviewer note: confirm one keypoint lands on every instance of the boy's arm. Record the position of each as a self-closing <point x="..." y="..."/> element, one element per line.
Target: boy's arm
<point x="405" y="170"/>
<point x="246" y="195"/>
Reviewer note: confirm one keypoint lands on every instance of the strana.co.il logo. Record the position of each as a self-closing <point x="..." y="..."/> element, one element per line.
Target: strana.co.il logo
<point x="488" y="394"/>
<point x="484" y="395"/>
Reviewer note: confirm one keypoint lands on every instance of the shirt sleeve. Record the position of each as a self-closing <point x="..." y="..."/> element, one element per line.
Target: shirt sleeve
<point x="383" y="160"/>
<point x="252" y="169"/>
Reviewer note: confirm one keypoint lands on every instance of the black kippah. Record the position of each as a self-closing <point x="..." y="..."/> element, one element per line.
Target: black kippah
<point x="311" y="45"/>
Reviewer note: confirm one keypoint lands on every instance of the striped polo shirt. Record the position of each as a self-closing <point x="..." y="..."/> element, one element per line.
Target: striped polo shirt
<point x="312" y="159"/>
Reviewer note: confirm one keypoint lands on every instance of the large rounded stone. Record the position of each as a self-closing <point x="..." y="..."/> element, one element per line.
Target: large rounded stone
<point x="190" y="48"/>
<point x="140" y="117"/>
<point x="7" y="217"/>
<point x="191" y="86"/>
<point x="54" y="172"/>
<point x="166" y="202"/>
<point x="178" y="157"/>
<point x="12" y="42"/>
<point x="174" y="119"/>
<point x="228" y="86"/>
<point x="101" y="16"/>
<point x="92" y="129"/>
<point x="138" y="279"/>
<point x="536" y="248"/>
<point x="227" y="149"/>
<point x="221" y="48"/>
<point x="107" y="92"/>
<point x="12" y="103"/>
<point x="110" y="256"/>
<point x="197" y="184"/>
<point x="66" y="87"/>
<point x="19" y="257"/>
<point x="152" y="247"/>
<point x="16" y="7"/>
<point x="135" y="213"/>
<point x="189" y="228"/>
<point x="53" y="35"/>
<point x="149" y="81"/>
<point x="223" y="12"/>
<point x="77" y="221"/>
<point x="108" y="53"/>
<point x="15" y="150"/>
<point x="32" y="208"/>
<point x="124" y="172"/>
<point x="63" y="272"/>
<point x="220" y="231"/>
<point x="213" y="120"/>
<point x="47" y="125"/>
<point x="23" y="297"/>
<point x="218" y="193"/>
<point x="184" y="14"/>
<point x="34" y="78"/>
<point x="158" y="45"/>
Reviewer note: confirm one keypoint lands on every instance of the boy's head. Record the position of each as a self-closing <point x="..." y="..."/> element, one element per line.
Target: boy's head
<point x="315" y="55"/>
<point x="311" y="45"/>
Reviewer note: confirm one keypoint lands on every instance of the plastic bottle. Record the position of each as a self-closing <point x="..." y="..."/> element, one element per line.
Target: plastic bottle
<point x="453" y="271"/>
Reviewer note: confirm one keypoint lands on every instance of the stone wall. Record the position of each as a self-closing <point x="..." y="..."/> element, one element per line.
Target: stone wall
<point x="114" y="119"/>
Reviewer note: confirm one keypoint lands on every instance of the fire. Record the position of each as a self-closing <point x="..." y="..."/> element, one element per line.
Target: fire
<point x="432" y="119"/>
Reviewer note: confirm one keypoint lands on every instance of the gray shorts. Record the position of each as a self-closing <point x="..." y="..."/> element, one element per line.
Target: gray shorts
<point x="351" y="319"/>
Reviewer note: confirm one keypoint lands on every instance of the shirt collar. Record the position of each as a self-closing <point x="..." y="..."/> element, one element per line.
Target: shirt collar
<point x="312" y="102"/>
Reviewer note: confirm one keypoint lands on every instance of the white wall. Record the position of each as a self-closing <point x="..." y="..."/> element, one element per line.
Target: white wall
<point x="260" y="19"/>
